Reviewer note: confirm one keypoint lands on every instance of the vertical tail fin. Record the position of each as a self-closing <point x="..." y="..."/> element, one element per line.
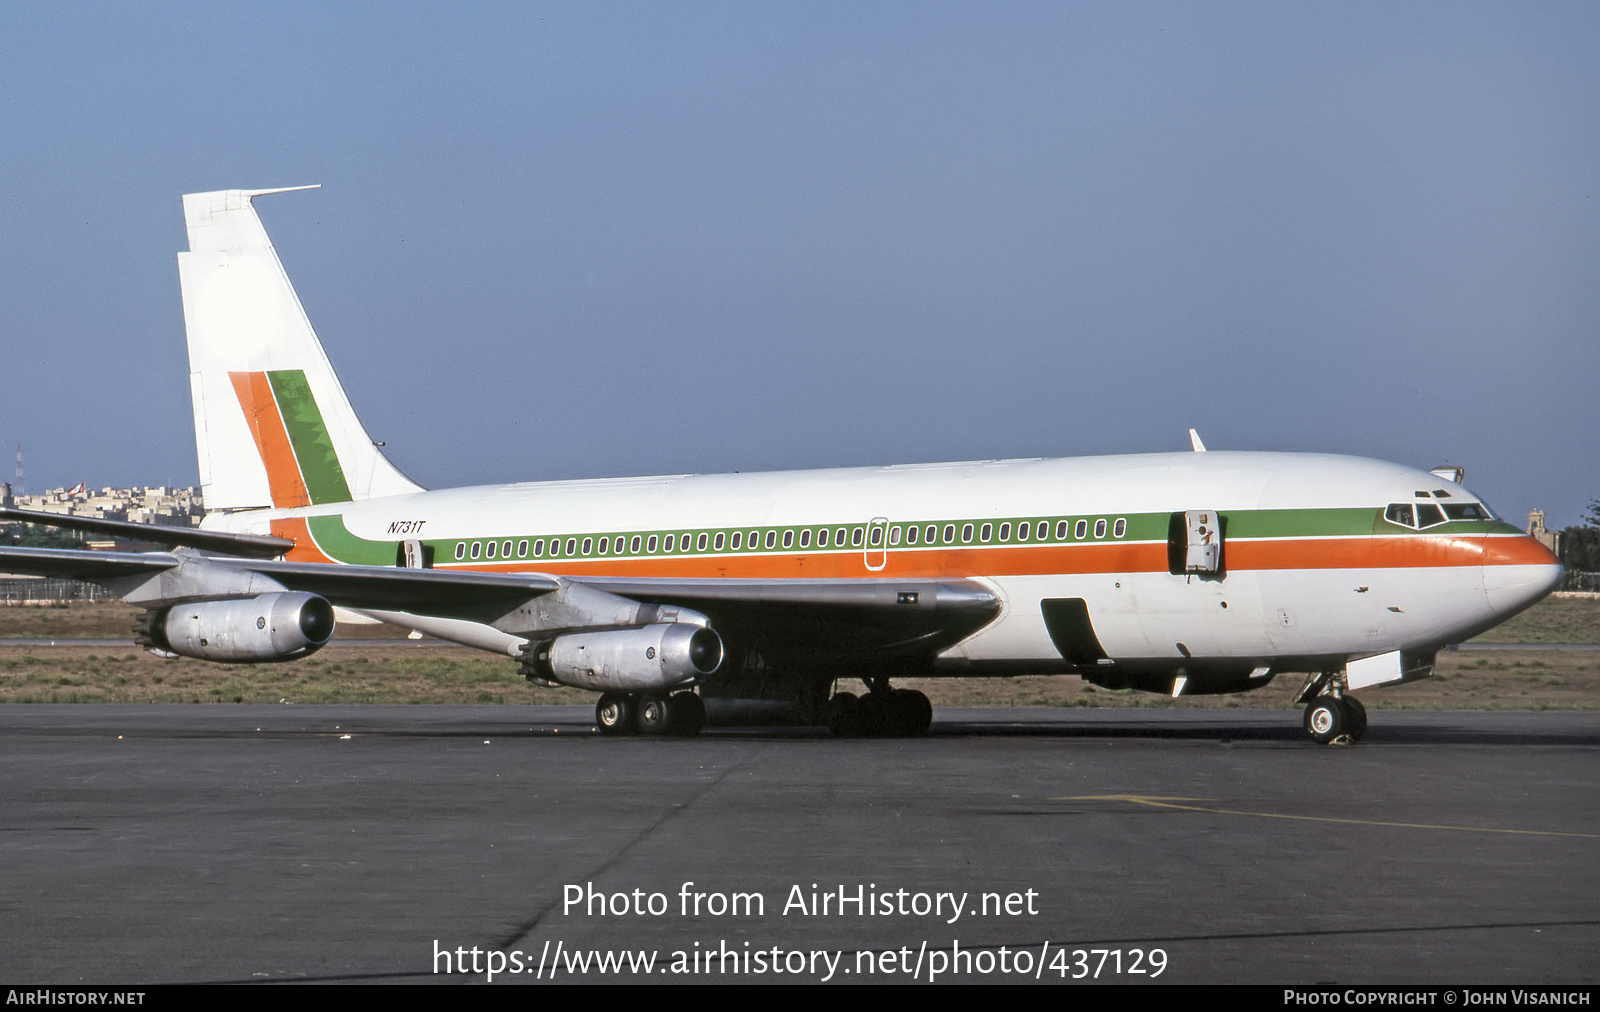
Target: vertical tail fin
<point x="272" y="424"/>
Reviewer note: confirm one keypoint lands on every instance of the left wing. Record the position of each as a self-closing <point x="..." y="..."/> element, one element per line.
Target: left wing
<point x="800" y="621"/>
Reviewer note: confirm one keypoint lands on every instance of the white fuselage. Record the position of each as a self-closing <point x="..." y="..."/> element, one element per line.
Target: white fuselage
<point x="1312" y="569"/>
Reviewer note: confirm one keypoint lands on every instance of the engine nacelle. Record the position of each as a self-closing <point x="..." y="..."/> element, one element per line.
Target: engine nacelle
<point x="271" y="627"/>
<point x="642" y="659"/>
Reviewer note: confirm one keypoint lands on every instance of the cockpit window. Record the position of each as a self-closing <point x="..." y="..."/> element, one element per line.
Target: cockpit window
<point x="1401" y="513"/>
<point x="1423" y="515"/>
<point x="1429" y="515"/>
<point x="1466" y="511"/>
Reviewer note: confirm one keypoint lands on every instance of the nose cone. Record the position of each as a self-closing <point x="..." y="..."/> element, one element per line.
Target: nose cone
<point x="1515" y="585"/>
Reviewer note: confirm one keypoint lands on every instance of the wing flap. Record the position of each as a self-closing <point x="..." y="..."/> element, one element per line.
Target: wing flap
<point x="967" y="595"/>
<point x="819" y="619"/>
<point x="479" y="597"/>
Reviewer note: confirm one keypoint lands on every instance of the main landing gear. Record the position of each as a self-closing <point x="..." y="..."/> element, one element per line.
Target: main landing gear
<point x="1333" y="717"/>
<point x="882" y="713"/>
<point x="682" y="714"/>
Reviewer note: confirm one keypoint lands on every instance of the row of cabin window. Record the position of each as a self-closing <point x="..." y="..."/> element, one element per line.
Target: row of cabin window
<point x="667" y="543"/>
<point x="1024" y="531"/>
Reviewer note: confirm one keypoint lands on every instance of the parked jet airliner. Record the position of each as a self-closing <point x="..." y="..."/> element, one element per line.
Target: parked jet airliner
<point x="1179" y="573"/>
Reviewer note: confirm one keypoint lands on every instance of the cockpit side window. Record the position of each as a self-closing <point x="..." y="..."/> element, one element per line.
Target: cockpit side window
<point x="1466" y="511"/>
<point x="1401" y="513"/>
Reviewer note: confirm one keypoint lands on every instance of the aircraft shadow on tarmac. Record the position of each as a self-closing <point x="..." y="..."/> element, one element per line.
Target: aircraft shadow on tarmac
<point x="1289" y="733"/>
<point x="1566" y="729"/>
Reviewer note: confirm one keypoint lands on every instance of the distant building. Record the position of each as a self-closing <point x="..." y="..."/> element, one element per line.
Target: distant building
<point x="172" y="507"/>
<point x="159" y="505"/>
<point x="167" y="507"/>
<point x="1540" y="533"/>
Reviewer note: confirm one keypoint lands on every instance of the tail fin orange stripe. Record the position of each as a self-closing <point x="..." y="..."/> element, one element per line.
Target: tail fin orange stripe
<point x="254" y="389"/>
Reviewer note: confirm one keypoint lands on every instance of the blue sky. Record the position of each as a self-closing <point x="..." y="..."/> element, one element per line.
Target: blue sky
<point x="603" y="239"/>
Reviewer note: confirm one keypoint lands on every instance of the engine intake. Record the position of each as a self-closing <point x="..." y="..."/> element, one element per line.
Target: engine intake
<point x="271" y="627"/>
<point x="627" y="660"/>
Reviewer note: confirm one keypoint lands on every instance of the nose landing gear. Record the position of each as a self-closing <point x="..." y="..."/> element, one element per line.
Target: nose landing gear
<point x="1333" y="716"/>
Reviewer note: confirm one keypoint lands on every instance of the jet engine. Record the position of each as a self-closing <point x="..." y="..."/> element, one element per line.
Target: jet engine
<point x="641" y="659"/>
<point x="271" y="627"/>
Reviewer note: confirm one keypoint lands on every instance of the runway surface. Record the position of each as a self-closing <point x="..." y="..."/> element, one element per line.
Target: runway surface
<point x="150" y="844"/>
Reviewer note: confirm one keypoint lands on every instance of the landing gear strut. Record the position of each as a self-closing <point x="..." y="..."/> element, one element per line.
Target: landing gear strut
<point x="681" y="714"/>
<point x="882" y="713"/>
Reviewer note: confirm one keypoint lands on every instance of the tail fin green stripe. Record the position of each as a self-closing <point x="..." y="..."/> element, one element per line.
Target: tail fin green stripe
<point x="308" y="434"/>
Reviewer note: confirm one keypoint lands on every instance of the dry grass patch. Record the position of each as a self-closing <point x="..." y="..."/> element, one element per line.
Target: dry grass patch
<point x="80" y="620"/>
<point x="409" y="673"/>
<point x="1553" y="620"/>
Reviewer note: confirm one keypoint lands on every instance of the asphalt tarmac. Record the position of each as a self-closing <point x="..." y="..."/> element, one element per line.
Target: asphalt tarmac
<point x="165" y="844"/>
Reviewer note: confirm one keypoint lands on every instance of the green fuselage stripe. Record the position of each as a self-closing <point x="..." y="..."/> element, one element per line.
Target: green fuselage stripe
<point x="339" y="543"/>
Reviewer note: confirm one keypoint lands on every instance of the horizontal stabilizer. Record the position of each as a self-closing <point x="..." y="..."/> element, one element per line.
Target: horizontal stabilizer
<point x="258" y="546"/>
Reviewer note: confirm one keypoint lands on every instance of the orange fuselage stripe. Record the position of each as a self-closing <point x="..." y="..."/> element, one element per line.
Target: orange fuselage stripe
<point x="305" y="547"/>
<point x="1018" y="560"/>
<point x="1386" y="553"/>
<point x="254" y="389"/>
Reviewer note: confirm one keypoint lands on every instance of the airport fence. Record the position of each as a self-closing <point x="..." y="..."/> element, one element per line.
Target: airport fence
<point x="1579" y="580"/>
<point x="18" y="591"/>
